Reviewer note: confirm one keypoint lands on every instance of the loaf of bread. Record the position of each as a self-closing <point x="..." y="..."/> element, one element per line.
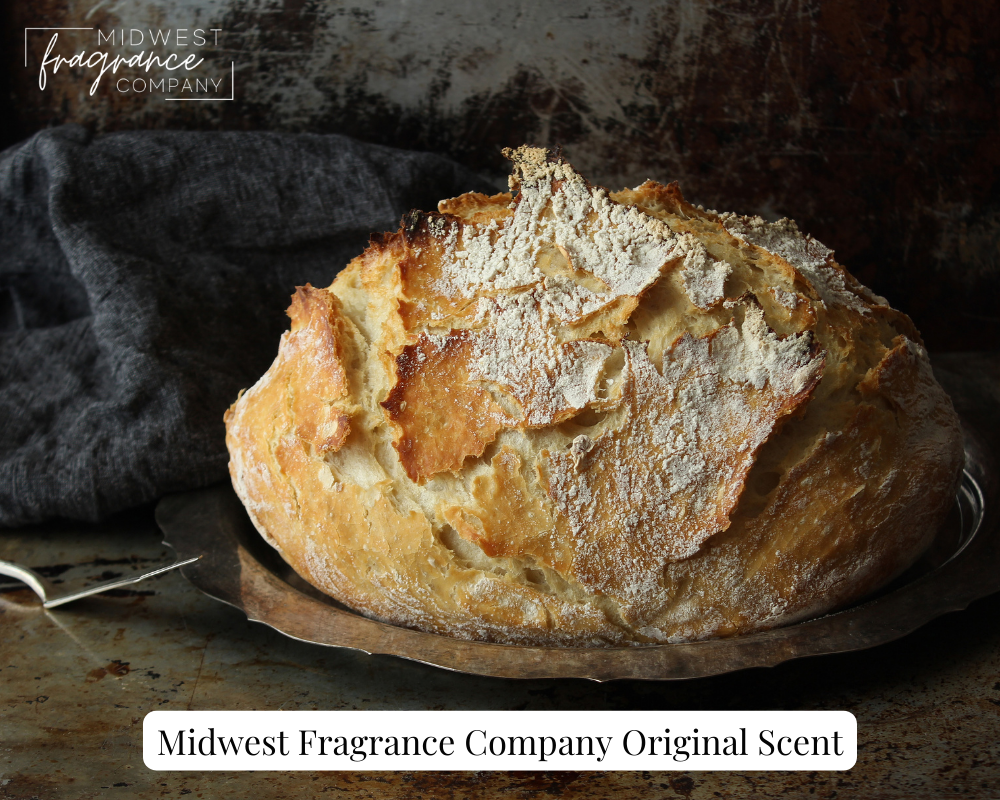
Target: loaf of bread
<point x="565" y="416"/>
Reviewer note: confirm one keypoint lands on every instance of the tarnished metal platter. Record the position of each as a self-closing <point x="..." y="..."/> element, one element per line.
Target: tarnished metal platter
<point x="239" y="568"/>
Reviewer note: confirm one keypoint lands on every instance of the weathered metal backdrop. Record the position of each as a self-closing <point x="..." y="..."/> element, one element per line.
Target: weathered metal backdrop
<point x="873" y="123"/>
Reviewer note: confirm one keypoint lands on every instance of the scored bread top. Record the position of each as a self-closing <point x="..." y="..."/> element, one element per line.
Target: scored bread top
<point x="581" y="417"/>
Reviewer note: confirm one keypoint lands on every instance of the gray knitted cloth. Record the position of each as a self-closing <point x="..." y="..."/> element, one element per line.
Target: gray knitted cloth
<point x="143" y="282"/>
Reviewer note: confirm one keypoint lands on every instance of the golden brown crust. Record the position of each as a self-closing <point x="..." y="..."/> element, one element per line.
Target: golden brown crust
<point x="477" y="208"/>
<point x="622" y="545"/>
<point x="579" y="418"/>
<point x="438" y="430"/>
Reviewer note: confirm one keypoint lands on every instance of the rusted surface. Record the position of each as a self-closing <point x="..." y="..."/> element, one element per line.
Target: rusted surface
<point x="76" y="682"/>
<point x="873" y="123"/>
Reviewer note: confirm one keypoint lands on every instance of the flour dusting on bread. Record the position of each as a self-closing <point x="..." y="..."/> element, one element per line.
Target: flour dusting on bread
<point x="568" y="416"/>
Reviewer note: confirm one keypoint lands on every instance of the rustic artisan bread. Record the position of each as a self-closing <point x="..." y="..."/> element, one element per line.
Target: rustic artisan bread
<point x="582" y="418"/>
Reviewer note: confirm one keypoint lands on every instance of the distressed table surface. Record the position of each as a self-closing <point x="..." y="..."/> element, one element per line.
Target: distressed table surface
<point x="76" y="682"/>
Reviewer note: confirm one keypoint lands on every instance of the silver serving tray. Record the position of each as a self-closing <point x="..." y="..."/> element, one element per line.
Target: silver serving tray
<point x="240" y="569"/>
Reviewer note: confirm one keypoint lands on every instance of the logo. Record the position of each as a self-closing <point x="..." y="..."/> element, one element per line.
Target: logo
<point x="165" y="62"/>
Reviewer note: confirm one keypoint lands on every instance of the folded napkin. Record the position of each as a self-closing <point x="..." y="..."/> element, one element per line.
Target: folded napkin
<point x="143" y="282"/>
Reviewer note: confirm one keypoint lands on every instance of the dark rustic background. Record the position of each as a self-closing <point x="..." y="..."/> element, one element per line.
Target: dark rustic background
<point x="874" y="124"/>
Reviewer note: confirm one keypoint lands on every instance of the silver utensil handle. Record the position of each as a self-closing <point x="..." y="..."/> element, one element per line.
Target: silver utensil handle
<point x="103" y="587"/>
<point x="38" y="584"/>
